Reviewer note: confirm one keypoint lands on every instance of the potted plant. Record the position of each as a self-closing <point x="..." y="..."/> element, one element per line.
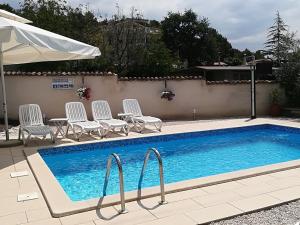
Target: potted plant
<point x="84" y="93"/>
<point x="275" y="109"/>
<point x="166" y="94"/>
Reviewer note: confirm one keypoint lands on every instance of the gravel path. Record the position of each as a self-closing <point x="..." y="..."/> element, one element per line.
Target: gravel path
<point x="288" y="214"/>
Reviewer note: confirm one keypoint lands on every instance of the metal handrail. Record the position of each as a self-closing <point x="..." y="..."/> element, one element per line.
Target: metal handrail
<point x="121" y="179"/>
<point x="161" y="173"/>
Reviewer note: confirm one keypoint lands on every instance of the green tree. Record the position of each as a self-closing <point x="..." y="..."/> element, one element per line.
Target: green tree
<point x="58" y="17"/>
<point x="185" y="35"/>
<point x="8" y="8"/>
<point x="279" y="40"/>
<point x="193" y="40"/>
<point x="289" y="78"/>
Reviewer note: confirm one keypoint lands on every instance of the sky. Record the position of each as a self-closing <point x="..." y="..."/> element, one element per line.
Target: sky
<point x="244" y="23"/>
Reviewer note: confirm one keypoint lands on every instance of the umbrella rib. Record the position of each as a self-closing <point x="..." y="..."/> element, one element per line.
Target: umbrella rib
<point x="13" y="48"/>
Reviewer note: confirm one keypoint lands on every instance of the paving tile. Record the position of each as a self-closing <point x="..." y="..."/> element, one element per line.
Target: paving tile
<point x="217" y="198"/>
<point x="5" y="175"/>
<point x="182" y="195"/>
<point x="287" y="194"/>
<point x="285" y="182"/>
<point x="255" y="203"/>
<point x="172" y="220"/>
<point x="9" y="205"/>
<point x="178" y="207"/>
<point x="286" y="173"/>
<point x="9" y="192"/>
<point x="5" y="151"/>
<point x="7" y="167"/>
<point x="253" y="190"/>
<point x="13" y="219"/>
<point x="38" y="214"/>
<point x="213" y="213"/>
<point x="6" y="158"/>
<point x="52" y="221"/>
<point x="223" y="187"/>
<point x="256" y="180"/>
<point x="28" y="183"/>
<point x="143" y="204"/>
<point x="88" y="216"/>
<point x="88" y="223"/>
<point x="7" y="184"/>
<point x="35" y="203"/>
<point x="17" y="152"/>
<point x="21" y="163"/>
<point x="129" y="218"/>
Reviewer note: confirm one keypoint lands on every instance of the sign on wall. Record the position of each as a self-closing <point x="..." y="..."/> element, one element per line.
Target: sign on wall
<point x="62" y="83"/>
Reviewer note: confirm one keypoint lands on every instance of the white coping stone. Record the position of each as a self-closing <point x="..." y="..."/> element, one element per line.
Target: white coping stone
<point x="28" y="196"/>
<point x="19" y="174"/>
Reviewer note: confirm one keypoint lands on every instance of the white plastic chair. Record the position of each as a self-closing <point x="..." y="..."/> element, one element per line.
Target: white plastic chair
<point x="131" y="106"/>
<point x="77" y="118"/>
<point x="31" y="123"/>
<point x="102" y="114"/>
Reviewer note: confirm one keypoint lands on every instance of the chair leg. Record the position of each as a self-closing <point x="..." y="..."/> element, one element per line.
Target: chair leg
<point x="27" y="139"/>
<point x="80" y="133"/>
<point x="158" y="126"/>
<point x="126" y="129"/>
<point x="67" y="131"/>
<point x="19" y="137"/>
<point x="138" y="126"/>
<point x="100" y="133"/>
<point x="23" y="138"/>
<point x="52" y="135"/>
<point x="75" y="134"/>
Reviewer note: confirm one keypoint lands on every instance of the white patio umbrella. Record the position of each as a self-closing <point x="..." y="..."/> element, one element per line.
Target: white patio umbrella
<point x="22" y="43"/>
<point x="12" y="16"/>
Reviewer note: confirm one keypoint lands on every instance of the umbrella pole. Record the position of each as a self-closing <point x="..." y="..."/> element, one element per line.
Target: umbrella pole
<point x="4" y="95"/>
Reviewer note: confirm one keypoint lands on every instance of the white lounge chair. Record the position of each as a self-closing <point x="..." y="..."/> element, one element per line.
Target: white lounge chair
<point x="102" y="114"/>
<point x="77" y="118"/>
<point x="31" y="122"/>
<point x="132" y="107"/>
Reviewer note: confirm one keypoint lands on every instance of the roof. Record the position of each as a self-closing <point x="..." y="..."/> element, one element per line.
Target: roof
<point x="151" y="78"/>
<point x="225" y="68"/>
<point x="240" y="82"/>
<point x="220" y="64"/>
<point x="53" y="73"/>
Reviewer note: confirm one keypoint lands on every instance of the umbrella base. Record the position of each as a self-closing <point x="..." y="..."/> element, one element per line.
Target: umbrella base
<point x="10" y="143"/>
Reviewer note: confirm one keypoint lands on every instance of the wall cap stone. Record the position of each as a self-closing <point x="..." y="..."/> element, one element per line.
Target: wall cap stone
<point x="62" y="74"/>
<point x="232" y="82"/>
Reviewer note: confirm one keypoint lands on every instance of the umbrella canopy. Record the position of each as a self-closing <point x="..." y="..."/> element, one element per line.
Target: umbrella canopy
<point x="12" y="16"/>
<point x="22" y="43"/>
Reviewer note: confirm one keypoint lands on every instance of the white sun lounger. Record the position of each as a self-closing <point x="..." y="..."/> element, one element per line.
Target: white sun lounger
<point x="131" y="106"/>
<point x="102" y="114"/>
<point x="77" y="118"/>
<point x="31" y="123"/>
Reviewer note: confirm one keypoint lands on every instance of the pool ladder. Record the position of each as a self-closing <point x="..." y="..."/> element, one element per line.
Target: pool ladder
<point x="121" y="177"/>
<point x="161" y="173"/>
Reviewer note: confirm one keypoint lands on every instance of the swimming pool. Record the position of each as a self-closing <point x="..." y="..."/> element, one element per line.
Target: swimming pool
<point x="80" y="169"/>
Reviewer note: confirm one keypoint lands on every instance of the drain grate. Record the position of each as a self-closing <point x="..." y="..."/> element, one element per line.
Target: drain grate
<point x="19" y="174"/>
<point x="28" y="196"/>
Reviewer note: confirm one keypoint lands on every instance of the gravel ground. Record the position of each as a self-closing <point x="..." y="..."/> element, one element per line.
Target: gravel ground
<point x="288" y="214"/>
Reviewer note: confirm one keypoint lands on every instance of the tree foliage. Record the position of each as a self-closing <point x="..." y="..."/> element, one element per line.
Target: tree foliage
<point x="280" y="42"/>
<point x="129" y="44"/>
<point x="193" y="40"/>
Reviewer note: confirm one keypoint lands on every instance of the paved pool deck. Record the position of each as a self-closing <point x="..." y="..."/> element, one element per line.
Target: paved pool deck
<point x="197" y="206"/>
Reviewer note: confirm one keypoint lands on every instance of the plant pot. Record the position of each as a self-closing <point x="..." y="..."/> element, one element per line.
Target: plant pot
<point x="275" y="110"/>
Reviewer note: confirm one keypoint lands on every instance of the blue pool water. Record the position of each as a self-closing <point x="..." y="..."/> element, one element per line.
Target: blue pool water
<point x="81" y="169"/>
